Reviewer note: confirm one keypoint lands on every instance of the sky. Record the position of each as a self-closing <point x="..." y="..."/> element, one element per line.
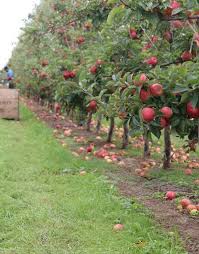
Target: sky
<point x="12" y="14"/>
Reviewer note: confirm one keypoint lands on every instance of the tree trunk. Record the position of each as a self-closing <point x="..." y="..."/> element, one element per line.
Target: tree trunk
<point x="167" y="148"/>
<point x="111" y="129"/>
<point x="146" y="143"/>
<point x="89" y="120"/>
<point x="198" y="131"/>
<point x="125" y="135"/>
<point x="72" y="115"/>
<point x="99" y="123"/>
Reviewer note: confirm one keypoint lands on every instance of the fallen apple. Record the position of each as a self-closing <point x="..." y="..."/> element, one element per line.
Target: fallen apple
<point x="170" y="195"/>
<point x="118" y="227"/>
<point x="191" y="207"/>
<point x="185" y="202"/>
<point x="194" y="212"/>
<point x="188" y="172"/>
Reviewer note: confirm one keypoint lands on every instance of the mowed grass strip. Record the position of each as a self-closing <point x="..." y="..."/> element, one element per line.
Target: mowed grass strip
<point x="47" y="207"/>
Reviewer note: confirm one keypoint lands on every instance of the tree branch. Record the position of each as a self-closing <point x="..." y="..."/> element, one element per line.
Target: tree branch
<point x="176" y="18"/>
<point x="125" y="4"/>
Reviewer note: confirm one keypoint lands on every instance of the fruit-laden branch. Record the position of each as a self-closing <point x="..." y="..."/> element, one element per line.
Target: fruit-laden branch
<point x="170" y="63"/>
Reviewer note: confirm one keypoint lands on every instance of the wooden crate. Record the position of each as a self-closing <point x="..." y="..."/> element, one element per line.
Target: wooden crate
<point x="9" y="103"/>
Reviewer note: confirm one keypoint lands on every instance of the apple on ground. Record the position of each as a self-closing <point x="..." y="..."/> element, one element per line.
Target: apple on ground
<point x="170" y="195"/>
<point x="194" y="212"/>
<point x="185" y="202"/>
<point x="118" y="227"/>
<point x="188" y="172"/>
<point x="191" y="207"/>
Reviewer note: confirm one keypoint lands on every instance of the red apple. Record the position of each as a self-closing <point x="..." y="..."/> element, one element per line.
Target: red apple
<point x="58" y="126"/>
<point x="156" y="89"/>
<point x="140" y="79"/>
<point x="80" y="40"/>
<point x="148" y="114"/>
<point x="170" y="195"/>
<point x="188" y="172"/>
<point x="118" y="227"/>
<point x="167" y="112"/>
<point x="133" y="34"/>
<point x="147" y="46"/>
<point x="191" y="207"/>
<point x="164" y="122"/>
<point x="191" y="111"/>
<point x="152" y="61"/>
<point x="89" y="149"/>
<point x="168" y="36"/>
<point x="72" y="74"/>
<point x="175" y="5"/>
<point x="186" y="56"/>
<point x="177" y="24"/>
<point x="197" y="207"/>
<point x="67" y="133"/>
<point x="143" y="78"/>
<point x="93" y="105"/>
<point x="81" y="149"/>
<point x="144" y="95"/>
<point x="185" y="202"/>
<point x="67" y="75"/>
<point x="154" y="38"/>
<point x="93" y="69"/>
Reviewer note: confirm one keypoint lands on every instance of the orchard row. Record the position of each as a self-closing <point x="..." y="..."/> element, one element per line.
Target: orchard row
<point x="136" y="60"/>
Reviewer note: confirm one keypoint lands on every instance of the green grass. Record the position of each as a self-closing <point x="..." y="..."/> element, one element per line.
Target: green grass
<point x="45" y="210"/>
<point x="176" y="175"/>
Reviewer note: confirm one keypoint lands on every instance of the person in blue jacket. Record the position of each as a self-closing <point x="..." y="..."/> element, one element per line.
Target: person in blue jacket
<point x="10" y="76"/>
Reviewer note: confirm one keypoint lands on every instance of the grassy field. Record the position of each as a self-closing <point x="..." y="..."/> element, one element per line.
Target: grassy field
<point x="47" y="207"/>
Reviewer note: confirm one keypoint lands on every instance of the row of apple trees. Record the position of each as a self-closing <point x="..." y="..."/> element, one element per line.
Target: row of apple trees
<point x="132" y="59"/>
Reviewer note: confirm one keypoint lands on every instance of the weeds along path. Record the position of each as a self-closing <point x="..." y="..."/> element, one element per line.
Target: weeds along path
<point x="148" y="193"/>
<point x="48" y="207"/>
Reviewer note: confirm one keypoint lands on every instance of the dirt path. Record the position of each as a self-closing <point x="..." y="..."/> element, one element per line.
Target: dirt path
<point x="165" y="212"/>
<point x="129" y="184"/>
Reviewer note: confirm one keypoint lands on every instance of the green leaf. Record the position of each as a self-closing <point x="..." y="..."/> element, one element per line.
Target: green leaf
<point x="180" y="89"/>
<point x="115" y="12"/>
<point x="155" y="131"/>
<point x="184" y="98"/>
<point x="112" y="1"/>
<point x="195" y="99"/>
